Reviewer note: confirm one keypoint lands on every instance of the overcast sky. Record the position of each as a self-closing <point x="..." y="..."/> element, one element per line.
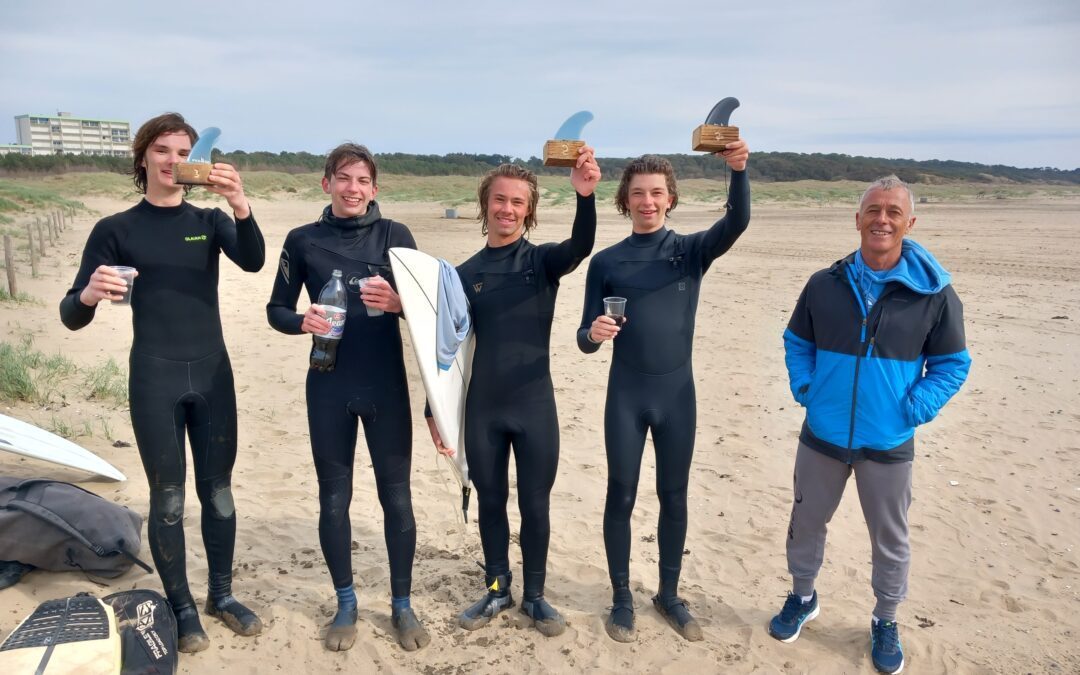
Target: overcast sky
<point x="988" y="81"/>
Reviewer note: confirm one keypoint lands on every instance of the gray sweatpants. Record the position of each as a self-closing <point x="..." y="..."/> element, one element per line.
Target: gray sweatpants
<point x="885" y="495"/>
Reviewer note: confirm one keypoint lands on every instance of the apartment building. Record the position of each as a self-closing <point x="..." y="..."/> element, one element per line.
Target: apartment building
<point x="14" y="149"/>
<point x="63" y="133"/>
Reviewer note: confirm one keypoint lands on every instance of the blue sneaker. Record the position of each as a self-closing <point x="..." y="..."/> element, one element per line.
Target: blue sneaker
<point x="885" y="648"/>
<point x="787" y="625"/>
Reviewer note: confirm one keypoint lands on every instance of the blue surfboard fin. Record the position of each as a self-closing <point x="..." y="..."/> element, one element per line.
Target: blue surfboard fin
<point x="573" y="126"/>
<point x="205" y="145"/>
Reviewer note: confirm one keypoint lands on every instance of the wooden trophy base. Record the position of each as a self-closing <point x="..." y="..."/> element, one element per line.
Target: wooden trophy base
<point x="562" y="153"/>
<point x="713" y="137"/>
<point x="191" y="173"/>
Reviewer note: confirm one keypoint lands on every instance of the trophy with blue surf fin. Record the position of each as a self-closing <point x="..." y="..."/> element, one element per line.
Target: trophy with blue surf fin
<point x="195" y="170"/>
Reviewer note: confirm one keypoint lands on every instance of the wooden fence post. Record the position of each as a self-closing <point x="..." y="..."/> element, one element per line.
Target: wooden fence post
<point x="33" y="253"/>
<point x="40" y="236"/>
<point x="9" y="262"/>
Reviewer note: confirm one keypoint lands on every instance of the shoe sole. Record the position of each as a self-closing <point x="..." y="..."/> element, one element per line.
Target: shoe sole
<point x="549" y="628"/>
<point x="618" y="633"/>
<point x="480" y="622"/>
<point x="233" y="623"/>
<point x="809" y="617"/>
<point x="691" y="632"/>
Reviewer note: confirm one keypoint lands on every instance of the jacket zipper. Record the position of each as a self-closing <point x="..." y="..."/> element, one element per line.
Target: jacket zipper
<point x="865" y="347"/>
<point x="858" y="361"/>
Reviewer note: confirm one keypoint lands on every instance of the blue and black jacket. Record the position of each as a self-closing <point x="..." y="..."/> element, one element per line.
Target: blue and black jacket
<point x="868" y="378"/>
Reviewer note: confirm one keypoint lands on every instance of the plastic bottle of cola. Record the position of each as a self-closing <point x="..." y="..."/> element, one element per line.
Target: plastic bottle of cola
<point x="333" y="299"/>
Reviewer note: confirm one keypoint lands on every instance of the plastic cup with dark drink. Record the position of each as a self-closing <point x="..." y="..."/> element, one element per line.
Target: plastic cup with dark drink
<point x="615" y="308"/>
<point x="371" y="311"/>
<point x="128" y="274"/>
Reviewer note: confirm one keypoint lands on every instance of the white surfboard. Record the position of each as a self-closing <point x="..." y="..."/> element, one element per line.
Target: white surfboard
<point x="26" y="439"/>
<point x="417" y="277"/>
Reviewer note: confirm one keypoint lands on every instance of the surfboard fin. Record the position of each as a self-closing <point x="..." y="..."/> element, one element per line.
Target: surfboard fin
<point x="205" y="145"/>
<point x="466" y="492"/>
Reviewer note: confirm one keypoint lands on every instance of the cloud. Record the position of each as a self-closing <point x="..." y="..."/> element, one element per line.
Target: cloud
<point x="843" y="76"/>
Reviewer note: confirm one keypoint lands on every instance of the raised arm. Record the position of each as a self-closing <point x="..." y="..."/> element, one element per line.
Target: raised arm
<point x="566" y="256"/>
<point x="716" y="241"/>
<point x="241" y="241"/>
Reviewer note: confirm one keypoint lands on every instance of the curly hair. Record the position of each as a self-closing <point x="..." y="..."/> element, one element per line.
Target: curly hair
<point x="646" y="164"/>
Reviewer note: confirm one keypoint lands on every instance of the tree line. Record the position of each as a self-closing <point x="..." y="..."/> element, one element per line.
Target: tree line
<point x="766" y="166"/>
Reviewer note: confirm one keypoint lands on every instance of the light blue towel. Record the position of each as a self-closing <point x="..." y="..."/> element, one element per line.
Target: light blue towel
<point x="452" y="315"/>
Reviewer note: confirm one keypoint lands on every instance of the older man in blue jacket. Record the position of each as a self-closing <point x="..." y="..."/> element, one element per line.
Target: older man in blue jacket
<point x="874" y="348"/>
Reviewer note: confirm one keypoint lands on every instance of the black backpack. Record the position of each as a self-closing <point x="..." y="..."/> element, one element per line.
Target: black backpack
<point x="147" y="632"/>
<point x="58" y="526"/>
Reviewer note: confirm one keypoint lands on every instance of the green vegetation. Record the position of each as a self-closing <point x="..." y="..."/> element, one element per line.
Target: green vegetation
<point x="61" y="427"/>
<point x="765" y="167"/>
<point x="31" y="376"/>
<point x="16" y="382"/>
<point x="20" y="298"/>
<point x="22" y="196"/>
<point x="106" y="382"/>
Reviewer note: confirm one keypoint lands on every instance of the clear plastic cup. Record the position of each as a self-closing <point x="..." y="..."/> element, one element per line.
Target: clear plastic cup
<point x="371" y="311"/>
<point x="128" y="274"/>
<point x="615" y="308"/>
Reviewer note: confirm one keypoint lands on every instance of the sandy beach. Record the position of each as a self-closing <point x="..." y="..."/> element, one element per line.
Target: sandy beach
<point x="995" y="522"/>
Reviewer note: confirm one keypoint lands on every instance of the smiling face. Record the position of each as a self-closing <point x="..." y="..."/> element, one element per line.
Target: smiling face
<point x="507" y="208"/>
<point x="883" y="219"/>
<point x="159" y="158"/>
<point x="351" y="188"/>
<point x="648" y="201"/>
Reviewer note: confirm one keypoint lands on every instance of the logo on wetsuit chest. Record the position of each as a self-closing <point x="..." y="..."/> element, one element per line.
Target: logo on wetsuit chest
<point x="477" y="286"/>
<point x="195" y="237"/>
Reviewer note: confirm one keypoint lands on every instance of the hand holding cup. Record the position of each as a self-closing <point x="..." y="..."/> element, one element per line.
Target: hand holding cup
<point x="109" y="282"/>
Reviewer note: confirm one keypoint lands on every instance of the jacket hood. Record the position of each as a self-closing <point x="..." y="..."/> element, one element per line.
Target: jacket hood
<point x="917" y="269"/>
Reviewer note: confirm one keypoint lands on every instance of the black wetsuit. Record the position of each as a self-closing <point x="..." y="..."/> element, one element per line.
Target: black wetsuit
<point x="180" y="376"/>
<point x="651" y="383"/>
<point x="367" y="384"/>
<point x="511" y="400"/>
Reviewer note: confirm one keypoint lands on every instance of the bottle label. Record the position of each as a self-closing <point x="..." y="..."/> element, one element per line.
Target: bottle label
<point x="336" y="317"/>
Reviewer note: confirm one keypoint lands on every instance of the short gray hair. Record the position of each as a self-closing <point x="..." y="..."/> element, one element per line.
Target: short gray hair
<point x="890" y="182"/>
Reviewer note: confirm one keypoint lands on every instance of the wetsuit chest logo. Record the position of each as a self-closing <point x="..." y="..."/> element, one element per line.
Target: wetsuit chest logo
<point x="477" y="286"/>
<point x="195" y="237"/>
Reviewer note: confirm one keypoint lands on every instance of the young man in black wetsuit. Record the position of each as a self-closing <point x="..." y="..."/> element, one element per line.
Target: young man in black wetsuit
<point x="511" y="285"/>
<point x="367" y="383"/>
<point x="181" y="379"/>
<point x="651" y="382"/>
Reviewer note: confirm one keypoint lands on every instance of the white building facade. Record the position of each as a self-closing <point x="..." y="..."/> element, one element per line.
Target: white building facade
<point x="63" y="133"/>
